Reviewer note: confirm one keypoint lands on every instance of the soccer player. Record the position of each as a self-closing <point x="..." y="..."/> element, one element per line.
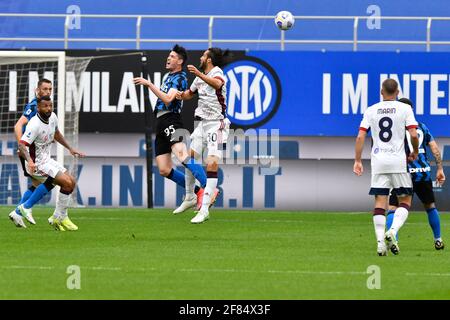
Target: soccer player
<point x="44" y="88"/>
<point x="35" y="147"/>
<point x="168" y="120"/>
<point x="213" y="127"/>
<point x="420" y="171"/>
<point x="388" y="121"/>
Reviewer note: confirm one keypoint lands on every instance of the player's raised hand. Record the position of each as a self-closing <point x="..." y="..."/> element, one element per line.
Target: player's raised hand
<point x="358" y="168"/>
<point x="77" y="153"/>
<point x="141" y="81"/>
<point x="440" y="177"/>
<point x="193" y="69"/>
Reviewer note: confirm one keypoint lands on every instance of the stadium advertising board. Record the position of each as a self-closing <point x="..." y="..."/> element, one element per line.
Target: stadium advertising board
<point x="300" y="93"/>
<point x="325" y="94"/>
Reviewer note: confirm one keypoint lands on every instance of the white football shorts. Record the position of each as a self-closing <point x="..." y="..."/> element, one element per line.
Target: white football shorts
<point x="382" y="184"/>
<point x="48" y="169"/>
<point x="211" y="135"/>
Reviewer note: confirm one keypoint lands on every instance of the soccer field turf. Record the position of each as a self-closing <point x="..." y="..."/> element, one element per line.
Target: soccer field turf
<point x="152" y="254"/>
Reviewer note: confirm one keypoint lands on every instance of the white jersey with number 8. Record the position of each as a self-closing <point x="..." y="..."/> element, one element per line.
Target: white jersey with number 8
<point x="388" y="122"/>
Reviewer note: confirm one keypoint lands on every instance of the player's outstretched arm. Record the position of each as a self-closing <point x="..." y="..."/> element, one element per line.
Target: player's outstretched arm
<point x="440" y="176"/>
<point x="60" y="138"/>
<point x="167" y="98"/>
<point x="216" y="83"/>
<point x="184" y="95"/>
<point x="358" y="168"/>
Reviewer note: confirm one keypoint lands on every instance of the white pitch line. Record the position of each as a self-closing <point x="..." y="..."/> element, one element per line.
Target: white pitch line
<point x="101" y="268"/>
<point x="163" y="218"/>
<point x="27" y="267"/>
<point x="275" y="271"/>
<point x="429" y="274"/>
<point x="53" y="268"/>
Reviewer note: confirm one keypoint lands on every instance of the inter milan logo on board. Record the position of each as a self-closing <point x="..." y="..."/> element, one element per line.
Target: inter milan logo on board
<point x="253" y="92"/>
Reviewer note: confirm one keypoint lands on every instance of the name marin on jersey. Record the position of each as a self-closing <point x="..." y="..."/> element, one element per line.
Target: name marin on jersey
<point x="386" y="111"/>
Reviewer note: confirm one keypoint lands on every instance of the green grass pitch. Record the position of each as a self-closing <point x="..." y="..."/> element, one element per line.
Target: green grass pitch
<point x="152" y="254"/>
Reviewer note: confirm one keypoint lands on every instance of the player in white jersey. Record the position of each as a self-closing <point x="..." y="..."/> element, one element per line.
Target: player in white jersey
<point x="213" y="127"/>
<point x="35" y="148"/>
<point x="388" y="121"/>
<point x="44" y="88"/>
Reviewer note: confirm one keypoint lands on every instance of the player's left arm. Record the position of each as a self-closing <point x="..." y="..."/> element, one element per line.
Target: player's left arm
<point x="60" y="138"/>
<point x="364" y="127"/>
<point x="166" y="98"/>
<point x="440" y="176"/>
<point x="358" y="168"/>
<point x="215" y="82"/>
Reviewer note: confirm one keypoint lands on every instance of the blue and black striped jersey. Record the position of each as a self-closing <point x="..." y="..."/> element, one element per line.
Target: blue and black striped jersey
<point x="29" y="111"/>
<point x="178" y="81"/>
<point x="420" y="168"/>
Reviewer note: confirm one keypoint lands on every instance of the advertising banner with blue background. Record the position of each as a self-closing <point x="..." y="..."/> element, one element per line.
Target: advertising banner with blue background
<point x="325" y="94"/>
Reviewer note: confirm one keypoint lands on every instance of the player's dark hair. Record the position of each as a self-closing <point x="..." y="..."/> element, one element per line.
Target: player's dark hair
<point x="44" y="98"/>
<point x="407" y="101"/>
<point x="390" y="86"/>
<point x="181" y="52"/>
<point x="43" y="80"/>
<point x="219" y="57"/>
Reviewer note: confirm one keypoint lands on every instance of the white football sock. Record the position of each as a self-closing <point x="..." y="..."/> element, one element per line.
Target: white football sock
<point x="190" y="183"/>
<point x="211" y="184"/>
<point x="400" y="216"/>
<point x="379" y="222"/>
<point x="62" y="203"/>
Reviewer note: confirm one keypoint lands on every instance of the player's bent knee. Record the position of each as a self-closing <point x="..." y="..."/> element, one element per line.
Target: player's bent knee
<point x="428" y="206"/>
<point x="165" y="171"/>
<point x="212" y="163"/>
<point x="214" y="167"/>
<point x="66" y="183"/>
<point x="194" y="154"/>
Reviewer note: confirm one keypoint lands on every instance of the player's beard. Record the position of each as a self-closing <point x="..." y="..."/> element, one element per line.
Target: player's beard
<point x="202" y="66"/>
<point x="45" y="115"/>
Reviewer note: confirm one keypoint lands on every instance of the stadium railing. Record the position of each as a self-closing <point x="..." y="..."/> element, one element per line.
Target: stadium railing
<point x="355" y="41"/>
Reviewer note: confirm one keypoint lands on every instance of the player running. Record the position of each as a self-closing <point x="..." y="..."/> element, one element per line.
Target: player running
<point x="168" y="120"/>
<point x="212" y="130"/>
<point x="388" y="120"/>
<point x="420" y="171"/>
<point x="35" y="147"/>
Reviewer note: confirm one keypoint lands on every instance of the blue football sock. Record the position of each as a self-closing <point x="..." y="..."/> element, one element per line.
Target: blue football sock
<point x="37" y="195"/>
<point x="197" y="171"/>
<point x="389" y="220"/>
<point x="434" y="221"/>
<point x="178" y="177"/>
<point x="27" y="194"/>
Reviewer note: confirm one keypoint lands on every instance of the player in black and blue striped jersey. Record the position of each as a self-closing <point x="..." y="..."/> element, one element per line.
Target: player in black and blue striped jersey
<point x="169" y="123"/>
<point x="420" y="171"/>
